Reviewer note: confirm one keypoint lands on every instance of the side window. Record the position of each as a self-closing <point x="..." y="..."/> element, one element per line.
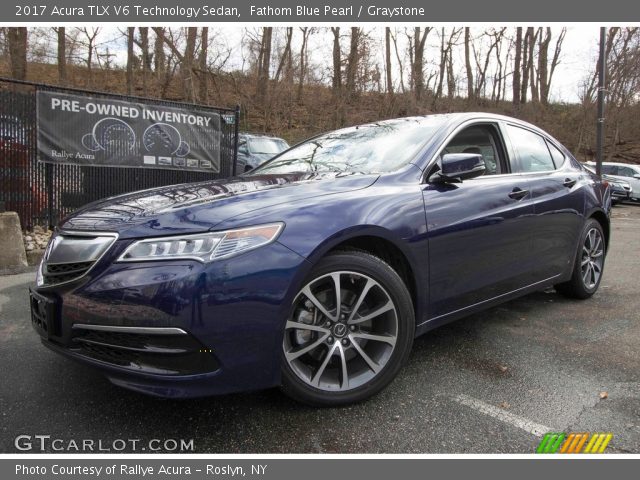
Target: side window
<point x="533" y="154"/>
<point x="626" y="172"/>
<point x="479" y="139"/>
<point x="610" y="169"/>
<point x="556" y="154"/>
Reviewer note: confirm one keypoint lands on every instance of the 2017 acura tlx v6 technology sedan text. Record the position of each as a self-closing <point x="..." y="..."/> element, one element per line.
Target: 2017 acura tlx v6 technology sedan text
<point x="317" y="270"/>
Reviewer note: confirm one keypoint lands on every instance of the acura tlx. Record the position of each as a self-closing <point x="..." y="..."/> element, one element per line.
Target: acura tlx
<point x="315" y="271"/>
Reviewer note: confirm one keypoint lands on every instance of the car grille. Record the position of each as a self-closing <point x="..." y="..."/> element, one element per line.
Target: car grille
<point x="69" y="256"/>
<point x="163" y="354"/>
<point x="55" y="273"/>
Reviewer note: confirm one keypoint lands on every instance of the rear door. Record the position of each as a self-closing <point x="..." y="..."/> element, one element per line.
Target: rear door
<point x="479" y="238"/>
<point x="558" y="198"/>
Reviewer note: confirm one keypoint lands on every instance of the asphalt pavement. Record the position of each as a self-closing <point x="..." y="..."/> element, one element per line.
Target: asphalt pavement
<point x="489" y="383"/>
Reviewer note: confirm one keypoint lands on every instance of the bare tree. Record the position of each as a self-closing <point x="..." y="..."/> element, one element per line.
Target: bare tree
<point x="159" y="56"/>
<point x="285" y="58"/>
<point x="400" y="62"/>
<point x="306" y="31"/>
<point x="533" y="75"/>
<point x="419" y="41"/>
<point x="264" y="64"/>
<point x="337" y="61"/>
<point x="62" y="55"/>
<point x="130" y="58"/>
<point x="352" y="61"/>
<point x="467" y="62"/>
<point x="527" y="59"/>
<point x="203" y="71"/>
<point x="90" y="37"/>
<point x="186" y="65"/>
<point x="387" y="58"/>
<point x="516" y="67"/>
<point x="17" y="40"/>
<point x="545" y="72"/>
<point x="146" y="58"/>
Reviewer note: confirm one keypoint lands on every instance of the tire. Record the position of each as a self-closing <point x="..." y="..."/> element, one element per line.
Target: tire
<point x="589" y="263"/>
<point x="325" y="364"/>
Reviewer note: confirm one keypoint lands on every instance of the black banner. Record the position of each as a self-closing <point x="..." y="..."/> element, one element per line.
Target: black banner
<point x="97" y="131"/>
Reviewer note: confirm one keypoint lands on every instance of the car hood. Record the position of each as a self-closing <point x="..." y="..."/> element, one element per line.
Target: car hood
<point x="197" y="207"/>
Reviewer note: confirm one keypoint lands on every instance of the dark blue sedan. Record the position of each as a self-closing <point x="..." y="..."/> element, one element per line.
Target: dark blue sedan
<point x="317" y="270"/>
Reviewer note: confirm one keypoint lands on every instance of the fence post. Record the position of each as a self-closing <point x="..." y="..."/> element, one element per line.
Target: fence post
<point x="48" y="171"/>
<point x="236" y="129"/>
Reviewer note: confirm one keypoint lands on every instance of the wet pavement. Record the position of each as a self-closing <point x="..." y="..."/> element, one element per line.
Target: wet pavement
<point x="489" y="383"/>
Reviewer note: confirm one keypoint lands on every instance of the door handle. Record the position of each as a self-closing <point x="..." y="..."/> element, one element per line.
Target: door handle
<point x="518" y="194"/>
<point x="569" y="182"/>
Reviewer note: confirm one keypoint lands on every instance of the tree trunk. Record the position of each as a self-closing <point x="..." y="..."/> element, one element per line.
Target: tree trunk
<point x="264" y="64"/>
<point x="443" y="62"/>
<point x="303" y="63"/>
<point x="130" y="59"/>
<point x="186" y="67"/>
<point x="516" y="67"/>
<point x="543" y="59"/>
<point x="286" y="54"/>
<point x="17" y="39"/>
<point x="337" y="61"/>
<point x="202" y="66"/>
<point x="467" y="61"/>
<point x="419" y="41"/>
<point x="62" y="55"/>
<point x="451" y="79"/>
<point x="533" y="79"/>
<point x="387" y="55"/>
<point x="400" y="65"/>
<point x="146" y="59"/>
<point x="352" y="61"/>
<point x="524" y="86"/>
<point x="159" y="58"/>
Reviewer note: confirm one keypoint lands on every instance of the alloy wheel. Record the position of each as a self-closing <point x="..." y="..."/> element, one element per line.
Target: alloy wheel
<point x="342" y="332"/>
<point x="592" y="258"/>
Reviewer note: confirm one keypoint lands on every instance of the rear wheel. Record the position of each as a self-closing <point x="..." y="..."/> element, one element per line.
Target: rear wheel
<point x="587" y="271"/>
<point x="350" y="331"/>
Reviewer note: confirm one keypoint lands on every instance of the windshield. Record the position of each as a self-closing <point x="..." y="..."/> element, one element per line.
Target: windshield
<point x="373" y="148"/>
<point x="267" y="145"/>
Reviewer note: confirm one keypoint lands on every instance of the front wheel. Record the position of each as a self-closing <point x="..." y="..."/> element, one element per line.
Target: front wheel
<point x="589" y="264"/>
<point x="350" y="331"/>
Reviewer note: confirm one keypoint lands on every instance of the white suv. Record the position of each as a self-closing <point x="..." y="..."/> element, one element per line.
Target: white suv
<point x="624" y="171"/>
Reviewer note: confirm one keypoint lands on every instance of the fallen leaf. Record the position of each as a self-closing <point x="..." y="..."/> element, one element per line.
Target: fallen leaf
<point x="604" y="395"/>
<point x="505" y="405"/>
<point x="503" y="368"/>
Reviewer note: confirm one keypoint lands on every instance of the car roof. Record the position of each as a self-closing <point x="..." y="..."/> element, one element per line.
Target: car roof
<point x="621" y="164"/>
<point x="259" y="135"/>
<point x="461" y="117"/>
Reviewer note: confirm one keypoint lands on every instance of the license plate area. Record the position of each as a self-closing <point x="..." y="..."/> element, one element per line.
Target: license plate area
<point x="43" y="314"/>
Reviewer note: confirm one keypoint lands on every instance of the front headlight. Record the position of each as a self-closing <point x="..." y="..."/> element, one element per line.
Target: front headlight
<point x="204" y="247"/>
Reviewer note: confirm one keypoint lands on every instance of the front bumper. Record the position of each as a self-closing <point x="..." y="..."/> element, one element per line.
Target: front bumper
<point x="176" y="328"/>
<point x="620" y="195"/>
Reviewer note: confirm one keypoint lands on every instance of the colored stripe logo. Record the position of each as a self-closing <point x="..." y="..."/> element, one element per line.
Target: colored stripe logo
<point x="560" y="442"/>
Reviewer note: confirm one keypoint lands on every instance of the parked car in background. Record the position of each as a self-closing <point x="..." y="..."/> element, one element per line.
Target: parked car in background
<point x="624" y="171"/>
<point x="620" y="190"/>
<point x="317" y="270"/>
<point x="255" y="149"/>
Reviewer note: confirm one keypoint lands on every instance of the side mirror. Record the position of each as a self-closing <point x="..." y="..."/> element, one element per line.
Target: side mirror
<point x="243" y="149"/>
<point x="637" y="175"/>
<point x="456" y="167"/>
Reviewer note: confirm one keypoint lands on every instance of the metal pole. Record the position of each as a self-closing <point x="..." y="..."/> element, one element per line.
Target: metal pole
<point x="602" y="68"/>
<point x="235" y="140"/>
